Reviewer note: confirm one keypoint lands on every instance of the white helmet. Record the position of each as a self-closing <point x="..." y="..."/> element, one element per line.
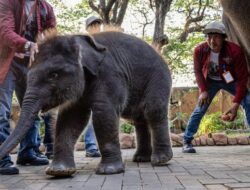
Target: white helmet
<point x="215" y="27"/>
<point x="91" y="20"/>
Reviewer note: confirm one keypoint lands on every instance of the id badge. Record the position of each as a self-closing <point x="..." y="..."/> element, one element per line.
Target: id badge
<point x="228" y="77"/>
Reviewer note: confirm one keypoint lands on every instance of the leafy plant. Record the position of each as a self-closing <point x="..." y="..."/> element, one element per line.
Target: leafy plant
<point x="212" y="123"/>
<point x="42" y="128"/>
<point x="70" y="19"/>
<point x="179" y="55"/>
<point x="127" y="128"/>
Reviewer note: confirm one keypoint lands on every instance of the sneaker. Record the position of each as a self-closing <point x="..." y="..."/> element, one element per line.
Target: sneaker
<point x="40" y="154"/>
<point x="188" y="148"/>
<point x="7" y="168"/>
<point x="93" y="153"/>
<point x="33" y="160"/>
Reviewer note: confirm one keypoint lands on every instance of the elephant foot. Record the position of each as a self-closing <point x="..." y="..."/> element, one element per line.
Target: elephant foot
<point x="141" y="157"/>
<point x="161" y="158"/>
<point x="110" y="168"/>
<point x="60" y="171"/>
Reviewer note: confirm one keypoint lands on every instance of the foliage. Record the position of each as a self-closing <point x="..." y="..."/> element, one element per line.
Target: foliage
<point x="196" y="14"/>
<point x="179" y="55"/>
<point x="127" y="128"/>
<point x="212" y="123"/>
<point x="192" y="8"/>
<point x="42" y="129"/>
<point x="70" y="19"/>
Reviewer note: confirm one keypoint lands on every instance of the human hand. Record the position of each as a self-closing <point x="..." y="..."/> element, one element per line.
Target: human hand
<point x="203" y="98"/>
<point x="33" y="51"/>
<point x="231" y="114"/>
<point x="20" y="55"/>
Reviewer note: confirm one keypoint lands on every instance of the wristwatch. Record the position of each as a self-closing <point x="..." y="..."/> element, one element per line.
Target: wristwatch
<point x="27" y="46"/>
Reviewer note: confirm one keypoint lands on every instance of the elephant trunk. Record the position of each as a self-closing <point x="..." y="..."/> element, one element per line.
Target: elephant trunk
<point x="29" y="111"/>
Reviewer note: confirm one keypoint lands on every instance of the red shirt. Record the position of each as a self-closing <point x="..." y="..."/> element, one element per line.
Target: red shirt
<point x="11" y="12"/>
<point x="231" y="59"/>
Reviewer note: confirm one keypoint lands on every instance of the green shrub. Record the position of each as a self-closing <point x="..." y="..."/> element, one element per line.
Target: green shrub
<point x="127" y="128"/>
<point x="212" y="123"/>
<point x="42" y="128"/>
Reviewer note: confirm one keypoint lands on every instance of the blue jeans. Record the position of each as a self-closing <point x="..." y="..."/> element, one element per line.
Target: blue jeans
<point x="89" y="137"/>
<point x="18" y="83"/>
<point x="199" y="111"/>
<point x="48" y="137"/>
<point x="6" y="90"/>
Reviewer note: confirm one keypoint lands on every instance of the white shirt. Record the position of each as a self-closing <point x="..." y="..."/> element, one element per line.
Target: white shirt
<point x="213" y="71"/>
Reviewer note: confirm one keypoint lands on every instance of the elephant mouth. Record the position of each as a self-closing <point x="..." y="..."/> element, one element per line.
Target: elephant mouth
<point x="47" y="106"/>
<point x="45" y="109"/>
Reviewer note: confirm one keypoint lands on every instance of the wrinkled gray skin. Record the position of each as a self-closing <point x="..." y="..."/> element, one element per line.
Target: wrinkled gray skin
<point x="115" y="75"/>
<point x="237" y="21"/>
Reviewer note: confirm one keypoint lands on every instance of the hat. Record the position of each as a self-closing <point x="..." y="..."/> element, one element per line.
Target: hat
<point x="91" y="20"/>
<point x="215" y="27"/>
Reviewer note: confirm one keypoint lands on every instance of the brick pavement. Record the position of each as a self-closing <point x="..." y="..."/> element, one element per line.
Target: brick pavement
<point x="215" y="168"/>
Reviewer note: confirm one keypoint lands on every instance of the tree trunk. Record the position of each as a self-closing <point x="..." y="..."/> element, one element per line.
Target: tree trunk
<point x="161" y="9"/>
<point x="105" y="8"/>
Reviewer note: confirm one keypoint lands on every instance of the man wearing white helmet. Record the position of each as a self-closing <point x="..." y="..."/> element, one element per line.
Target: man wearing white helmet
<point x="218" y="64"/>
<point x="93" y="25"/>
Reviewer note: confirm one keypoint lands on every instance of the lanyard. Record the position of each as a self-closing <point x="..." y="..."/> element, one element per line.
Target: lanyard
<point x="34" y="9"/>
<point x="31" y="11"/>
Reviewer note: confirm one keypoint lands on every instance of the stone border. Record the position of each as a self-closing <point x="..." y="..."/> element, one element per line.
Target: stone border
<point x="128" y="141"/>
<point x="216" y="139"/>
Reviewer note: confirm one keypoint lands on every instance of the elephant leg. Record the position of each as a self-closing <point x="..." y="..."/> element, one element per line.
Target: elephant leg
<point x="70" y="124"/>
<point x="156" y="116"/>
<point x="106" y="125"/>
<point x="143" y="137"/>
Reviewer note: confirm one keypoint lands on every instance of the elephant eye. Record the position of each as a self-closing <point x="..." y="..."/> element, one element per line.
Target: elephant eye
<point x="53" y="76"/>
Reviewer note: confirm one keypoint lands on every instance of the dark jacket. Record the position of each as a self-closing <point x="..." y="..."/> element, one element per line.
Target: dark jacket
<point x="10" y="28"/>
<point x="232" y="57"/>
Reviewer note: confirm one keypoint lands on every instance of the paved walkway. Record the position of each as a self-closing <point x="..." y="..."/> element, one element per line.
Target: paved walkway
<point x="215" y="168"/>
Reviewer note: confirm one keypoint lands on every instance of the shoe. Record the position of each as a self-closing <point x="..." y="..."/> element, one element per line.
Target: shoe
<point x="32" y="160"/>
<point x="7" y="168"/>
<point x="188" y="148"/>
<point x="93" y="153"/>
<point x="40" y="154"/>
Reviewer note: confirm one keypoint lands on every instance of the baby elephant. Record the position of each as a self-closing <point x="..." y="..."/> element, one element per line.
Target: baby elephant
<point x="111" y="74"/>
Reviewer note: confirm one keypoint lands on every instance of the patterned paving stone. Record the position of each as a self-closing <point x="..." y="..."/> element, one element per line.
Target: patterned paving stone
<point x="213" y="167"/>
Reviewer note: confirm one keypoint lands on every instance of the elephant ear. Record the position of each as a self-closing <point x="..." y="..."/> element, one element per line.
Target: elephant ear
<point x="92" y="54"/>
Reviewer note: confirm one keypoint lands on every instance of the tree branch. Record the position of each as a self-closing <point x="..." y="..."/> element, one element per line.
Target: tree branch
<point x="110" y="5"/>
<point x="93" y="7"/>
<point x="122" y="12"/>
<point x="190" y="20"/>
<point x="115" y="9"/>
